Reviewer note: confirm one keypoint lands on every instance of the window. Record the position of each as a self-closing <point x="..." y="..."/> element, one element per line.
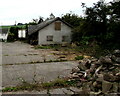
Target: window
<point x="49" y="38"/>
<point x="64" y="38"/>
<point x="57" y="25"/>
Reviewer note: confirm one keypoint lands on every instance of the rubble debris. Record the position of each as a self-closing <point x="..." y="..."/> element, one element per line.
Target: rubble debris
<point x="99" y="75"/>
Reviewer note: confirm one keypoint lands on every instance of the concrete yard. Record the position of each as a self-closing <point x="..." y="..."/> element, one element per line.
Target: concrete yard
<point x="13" y="75"/>
<point x="18" y="52"/>
<point x="17" y="66"/>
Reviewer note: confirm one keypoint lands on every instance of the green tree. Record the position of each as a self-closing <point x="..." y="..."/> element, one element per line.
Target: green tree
<point x="76" y="21"/>
<point x="102" y="23"/>
<point x="113" y="33"/>
<point x="72" y="19"/>
<point x="97" y="18"/>
<point x="36" y="21"/>
<point x="13" y="33"/>
<point x="14" y="30"/>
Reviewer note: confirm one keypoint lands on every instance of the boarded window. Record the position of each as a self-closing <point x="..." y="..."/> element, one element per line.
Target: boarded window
<point x="49" y="38"/>
<point x="57" y="25"/>
<point x="64" y="38"/>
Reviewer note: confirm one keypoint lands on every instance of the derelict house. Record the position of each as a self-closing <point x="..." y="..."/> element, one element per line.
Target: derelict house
<point x="52" y="31"/>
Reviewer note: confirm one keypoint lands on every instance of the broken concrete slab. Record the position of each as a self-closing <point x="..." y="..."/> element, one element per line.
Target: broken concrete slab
<point x="106" y="86"/>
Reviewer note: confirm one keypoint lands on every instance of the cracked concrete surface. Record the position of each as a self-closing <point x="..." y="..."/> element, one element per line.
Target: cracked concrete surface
<point x="16" y="58"/>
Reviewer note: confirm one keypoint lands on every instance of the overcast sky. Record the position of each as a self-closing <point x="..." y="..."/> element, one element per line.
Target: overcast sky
<point x="23" y="11"/>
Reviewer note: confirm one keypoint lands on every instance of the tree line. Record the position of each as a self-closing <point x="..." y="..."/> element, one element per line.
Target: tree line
<point x="101" y="24"/>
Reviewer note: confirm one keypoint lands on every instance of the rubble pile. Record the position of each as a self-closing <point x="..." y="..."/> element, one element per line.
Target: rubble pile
<point x="99" y="75"/>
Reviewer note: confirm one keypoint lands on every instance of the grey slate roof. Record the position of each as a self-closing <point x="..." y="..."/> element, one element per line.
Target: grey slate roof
<point x="35" y="28"/>
<point x="3" y="30"/>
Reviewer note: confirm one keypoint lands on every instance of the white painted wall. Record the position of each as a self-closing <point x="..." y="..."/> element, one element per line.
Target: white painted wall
<point x="3" y="36"/>
<point x="57" y="35"/>
<point x="22" y="33"/>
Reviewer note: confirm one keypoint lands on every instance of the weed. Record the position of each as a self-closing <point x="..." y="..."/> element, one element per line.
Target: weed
<point x="47" y="85"/>
<point x="33" y="54"/>
<point x="71" y="82"/>
<point x="43" y="47"/>
<point x="58" y="83"/>
<point x="60" y="60"/>
<point x="79" y="57"/>
<point x="55" y="47"/>
<point x="6" y="55"/>
<point x="8" y="89"/>
<point x="34" y="62"/>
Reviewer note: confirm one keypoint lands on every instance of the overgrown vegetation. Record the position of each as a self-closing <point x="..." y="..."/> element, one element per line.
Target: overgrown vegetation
<point x="79" y="57"/>
<point x="54" y="47"/>
<point x="100" y="27"/>
<point x="13" y="32"/>
<point x="44" y="47"/>
<point x="58" y="83"/>
<point x="83" y="48"/>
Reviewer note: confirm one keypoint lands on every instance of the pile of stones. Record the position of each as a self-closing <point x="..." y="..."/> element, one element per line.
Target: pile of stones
<point x="99" y="76"/>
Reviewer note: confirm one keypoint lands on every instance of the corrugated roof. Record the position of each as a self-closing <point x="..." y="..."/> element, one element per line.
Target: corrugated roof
<point x="34" y="28"/>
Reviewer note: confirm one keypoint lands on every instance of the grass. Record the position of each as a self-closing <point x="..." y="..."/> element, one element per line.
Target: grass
<point x="43" y="47"/>
<point x="58" y="83"/>
<point x="49" y="61"/>
<point x="8" y="89"/>
<point x="79" y="57"/>
<point x="6" y="55"/>
<point x="34" y="62"/>
<point x="55" y="47"/>
<point x="22" y="87"/>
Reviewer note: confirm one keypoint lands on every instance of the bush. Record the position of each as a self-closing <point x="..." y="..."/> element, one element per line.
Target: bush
<point x="11" y="37"/>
